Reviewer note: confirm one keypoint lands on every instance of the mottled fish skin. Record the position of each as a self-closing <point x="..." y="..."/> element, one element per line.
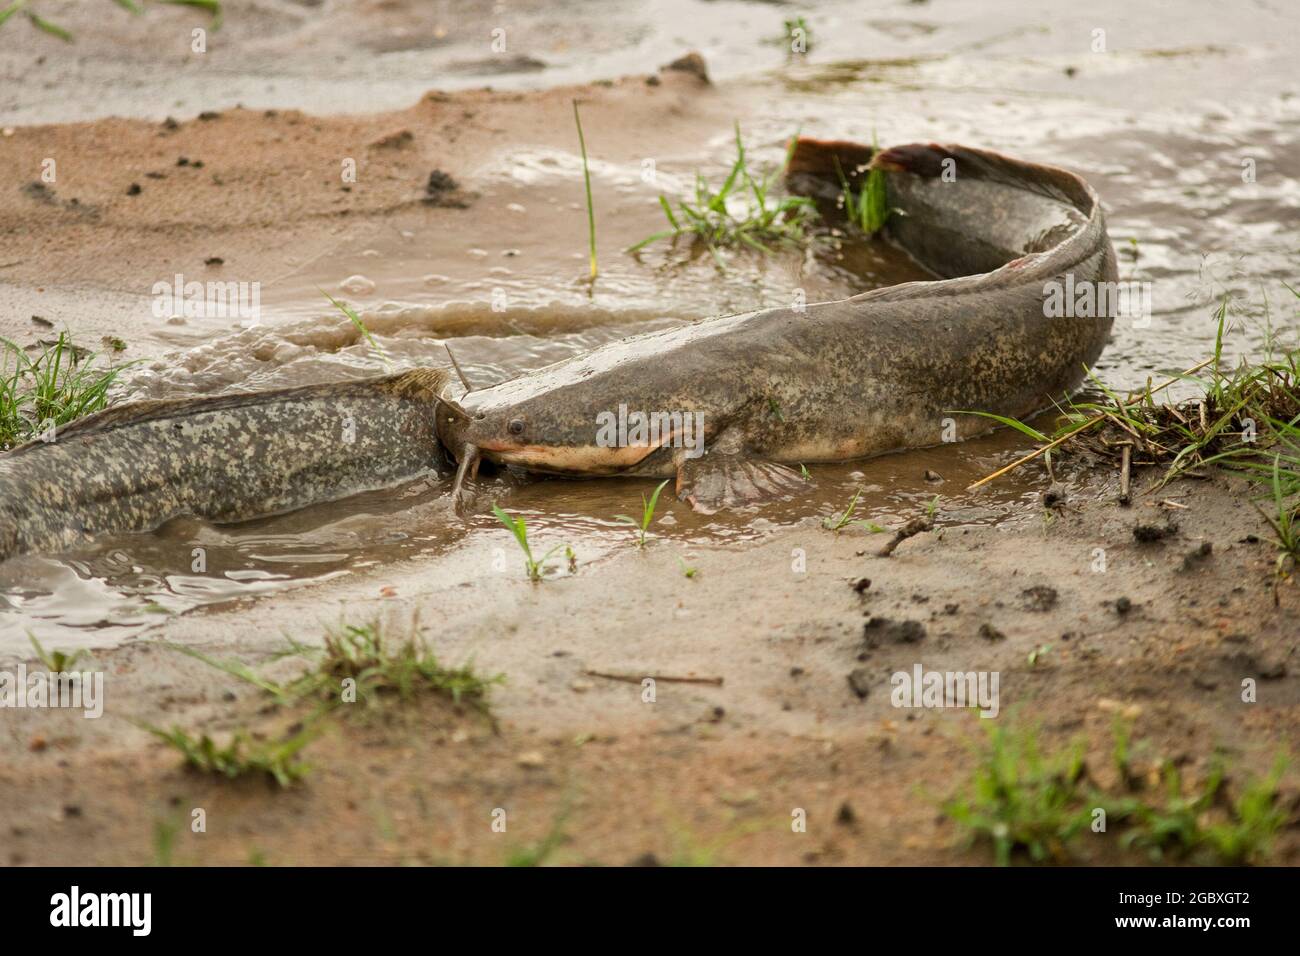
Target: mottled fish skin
<point x="224" y="458"/>
<point x="841" y="380"/>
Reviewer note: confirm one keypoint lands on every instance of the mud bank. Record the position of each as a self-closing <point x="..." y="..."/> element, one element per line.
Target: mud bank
<point x="245" y="195"/>
<point x="802" y="716"/>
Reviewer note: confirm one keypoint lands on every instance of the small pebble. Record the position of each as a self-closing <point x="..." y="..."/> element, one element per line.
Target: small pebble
<point x="860" y="681"/>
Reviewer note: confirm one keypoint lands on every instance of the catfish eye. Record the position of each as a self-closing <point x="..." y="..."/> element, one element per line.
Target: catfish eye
<point x="516" y="426"/>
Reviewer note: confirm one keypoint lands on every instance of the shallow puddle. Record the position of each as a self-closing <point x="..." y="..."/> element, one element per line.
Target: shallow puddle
<point x="518" y="318"/>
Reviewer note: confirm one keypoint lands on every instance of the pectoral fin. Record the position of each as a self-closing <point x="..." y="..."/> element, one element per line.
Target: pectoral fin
<point x="720" y="480"/>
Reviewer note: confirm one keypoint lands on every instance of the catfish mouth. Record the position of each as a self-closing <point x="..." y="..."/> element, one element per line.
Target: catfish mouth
<point x="575" y="459"/>
<point x="568" y="459"/>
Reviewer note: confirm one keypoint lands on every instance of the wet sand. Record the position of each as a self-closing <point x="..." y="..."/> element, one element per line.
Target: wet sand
<point x="704" y="768"/>
<point x="706" y="771"/>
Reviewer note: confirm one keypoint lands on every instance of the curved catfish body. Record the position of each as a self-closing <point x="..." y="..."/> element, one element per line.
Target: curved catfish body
<point x="225" y="458"/>
<point x="837" y="380"/>
<point x="893" y="364"/>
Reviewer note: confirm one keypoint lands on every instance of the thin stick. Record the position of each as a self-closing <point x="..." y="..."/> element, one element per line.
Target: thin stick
<point x="586" y="175"/>
<point x="636" y="679"/>
<point x="1088" y="424"/>
<point x="913" y="527"/>
<point x="1034" y="454"/>
<point x="1126" y="463"/>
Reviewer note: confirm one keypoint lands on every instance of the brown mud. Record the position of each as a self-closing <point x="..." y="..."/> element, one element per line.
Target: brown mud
<point x="704" y="772"/>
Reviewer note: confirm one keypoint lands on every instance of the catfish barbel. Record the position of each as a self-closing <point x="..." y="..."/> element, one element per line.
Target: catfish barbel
<point x="877" y="372"/>
<point x="224" y="458"/>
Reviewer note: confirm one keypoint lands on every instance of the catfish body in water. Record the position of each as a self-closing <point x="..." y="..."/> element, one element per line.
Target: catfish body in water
<point x="840" y="380"/>
<point x="223" y="458"/>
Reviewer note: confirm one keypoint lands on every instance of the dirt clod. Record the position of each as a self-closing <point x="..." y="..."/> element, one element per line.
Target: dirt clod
<point x="691" y="63"/>
<point x="1040" y="597"/>
<point x="1151" y="533"/>
<point x="442" y="190"/>
<point x="882" y="630"/>
<point x="1196" y="557"/>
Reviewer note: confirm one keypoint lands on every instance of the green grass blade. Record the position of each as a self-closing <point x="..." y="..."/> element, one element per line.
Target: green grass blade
<point x="53" y="29"/>
<point x="1019" y="426"/>
<point x="213" y="7"/>
<point x="586" y="176"/>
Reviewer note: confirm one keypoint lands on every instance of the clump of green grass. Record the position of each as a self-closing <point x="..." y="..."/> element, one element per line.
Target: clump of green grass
<point x="380" y="665"/>
<point x="534" y="567"/>
<point x="58" y="386"/>
<point x="744" y="211"/>
<point x="647" y="514"/>
<point x="1246" y="419"/>
<point x="843" y="519"/>
<point x="868" y="209"/>
<point x="56" y="662"/>
<point x="1196" y="825"/>
<point x="790" y="25"/>
<point x="1022" y="798"/>
<point x="1285" y="518"/>
<point x="242" y="756"/>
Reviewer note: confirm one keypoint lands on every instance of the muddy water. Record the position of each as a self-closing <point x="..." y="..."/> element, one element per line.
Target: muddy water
<point x="123" y="584"/>
<point x="1163" y="122"/>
